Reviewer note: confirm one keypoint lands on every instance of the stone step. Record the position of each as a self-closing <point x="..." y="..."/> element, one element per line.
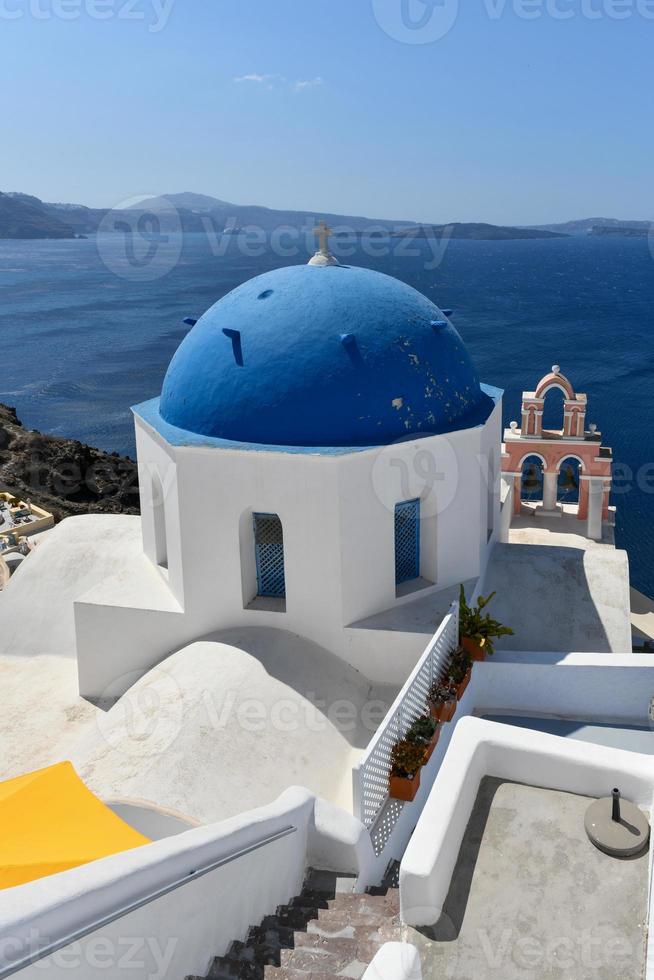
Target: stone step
<point x="313" y="940"/>
<point x="289" y="973"/>
<point x="272" y="934"/>
<point x="361" y="948"/>
<point x="293" y="918"/>
<point x="263" y="954"/>
<point x="328" y="882"/>
<point x="312" y="961"/>
<point x="382" y="905"/>
<point x="345" y="927"/>
<point x="328" y="932"/>
<point x="311" y="899"/>
<point x="224" y="968"/>
<point x="329" y="916"/>
<point x="325" y="959"/>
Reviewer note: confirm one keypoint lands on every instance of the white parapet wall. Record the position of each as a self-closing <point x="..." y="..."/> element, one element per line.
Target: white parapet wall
<point x="395" y="961"/>
<point x="602" y="687"/>
<point x="166" y="909"/>
<point x="482" y="748"/>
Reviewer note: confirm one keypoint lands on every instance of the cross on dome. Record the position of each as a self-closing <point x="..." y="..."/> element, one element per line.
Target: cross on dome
<point x="323" y="233"/>
<point x="323" y="256"/>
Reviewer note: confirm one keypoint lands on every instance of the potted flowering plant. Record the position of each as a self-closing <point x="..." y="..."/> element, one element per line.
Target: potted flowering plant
<point x="407" y="759"/>
<point x="442" y="700"/>
<point x="460" y="671"/>
<point x="478" y="631"/>
<point x="425" y="731"/>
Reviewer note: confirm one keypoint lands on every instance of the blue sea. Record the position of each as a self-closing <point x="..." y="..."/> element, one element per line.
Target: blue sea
<point x="83" y="339"/>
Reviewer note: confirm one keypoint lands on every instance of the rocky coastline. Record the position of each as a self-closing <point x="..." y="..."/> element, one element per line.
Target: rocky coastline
<point x="64" y="476"/>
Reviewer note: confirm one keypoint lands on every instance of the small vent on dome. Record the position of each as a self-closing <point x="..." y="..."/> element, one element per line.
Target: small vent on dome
<point x="349" y="342"/>
<point x="437" y="325"/>
<point x="235" y="337"/>
<point x="266" y="294"/>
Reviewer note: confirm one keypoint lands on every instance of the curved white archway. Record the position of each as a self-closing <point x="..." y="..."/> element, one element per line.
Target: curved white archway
<point x="528" y="456"/>
<point x="578" y="459"/>
<point x="567" y="394"/>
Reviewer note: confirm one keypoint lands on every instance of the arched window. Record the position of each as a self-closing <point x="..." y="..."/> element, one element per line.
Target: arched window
<point x="269" y="555"/>
<point x="160" y="532"/>
<point x="407" y="541"/>
<point x="568" y="481"/>
<point x="553" y="410"/>
<point x="532" y="479"/>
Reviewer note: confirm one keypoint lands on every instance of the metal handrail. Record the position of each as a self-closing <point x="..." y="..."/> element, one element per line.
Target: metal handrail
<point x="77" y="934"/>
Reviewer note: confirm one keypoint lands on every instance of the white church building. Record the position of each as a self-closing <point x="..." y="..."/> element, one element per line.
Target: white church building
<point x="227" y="676"/>
<point x="322" y="460"/>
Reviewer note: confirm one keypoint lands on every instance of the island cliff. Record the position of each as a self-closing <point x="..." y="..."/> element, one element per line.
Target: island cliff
<point x="64" y="476"/>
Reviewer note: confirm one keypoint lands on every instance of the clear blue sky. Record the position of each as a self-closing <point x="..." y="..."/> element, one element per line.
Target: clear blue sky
<point x="503" y="119"/>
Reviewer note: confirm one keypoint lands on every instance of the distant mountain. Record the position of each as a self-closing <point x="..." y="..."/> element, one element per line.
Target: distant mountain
<point x="195" y="214"/>
<point x="586" y="225"/>
<point x="26" y="216"/>
<point x="476" y="232"/>
<point x="22" y="216"/>
<point x="624" y="231"/>
<point x="186" y="200"/>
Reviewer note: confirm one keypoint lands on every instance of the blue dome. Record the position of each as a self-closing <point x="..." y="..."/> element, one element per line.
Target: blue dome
<point x="322" y="356"/>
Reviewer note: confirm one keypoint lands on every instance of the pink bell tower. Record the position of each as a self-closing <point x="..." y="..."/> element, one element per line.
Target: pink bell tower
<point x="553" y="447"/>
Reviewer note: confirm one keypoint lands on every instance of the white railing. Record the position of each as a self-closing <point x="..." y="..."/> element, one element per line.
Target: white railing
<point x="370" y="776"/>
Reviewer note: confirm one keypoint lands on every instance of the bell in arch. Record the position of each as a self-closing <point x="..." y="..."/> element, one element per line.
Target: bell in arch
<point x="530" y="481"/>
<point x="569" y="481"/>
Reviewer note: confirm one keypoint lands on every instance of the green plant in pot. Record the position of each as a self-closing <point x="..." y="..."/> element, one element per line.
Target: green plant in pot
<point x="407" y="759"/>
<point x="425" y="731"/>
<point x="460" y="670"/>
<point x="477" y="629"/>
<point x="442" y="700"/>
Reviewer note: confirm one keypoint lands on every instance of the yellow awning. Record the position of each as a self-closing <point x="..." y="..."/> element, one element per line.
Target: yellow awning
<point x="50" y="821"/>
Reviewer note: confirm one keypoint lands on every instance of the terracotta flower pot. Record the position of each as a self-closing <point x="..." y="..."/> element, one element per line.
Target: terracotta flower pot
<point x="461" y="688"/>
<point x="443" y="710"/>
<point x="403" y="787"/>
<point x="431" y="745"/>
<point x="472" y="647"/>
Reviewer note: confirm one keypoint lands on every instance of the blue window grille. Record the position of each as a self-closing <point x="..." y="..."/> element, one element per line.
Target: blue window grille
<point x="269" y="551"/>
<point x="407" y="541"/>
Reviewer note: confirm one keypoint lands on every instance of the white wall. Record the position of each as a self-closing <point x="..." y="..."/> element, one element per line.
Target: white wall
<point x="582" y="686"/>
<point x="156" y="465"/>
<point x="337" y="514"/>
<point x="507" y="499"/>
